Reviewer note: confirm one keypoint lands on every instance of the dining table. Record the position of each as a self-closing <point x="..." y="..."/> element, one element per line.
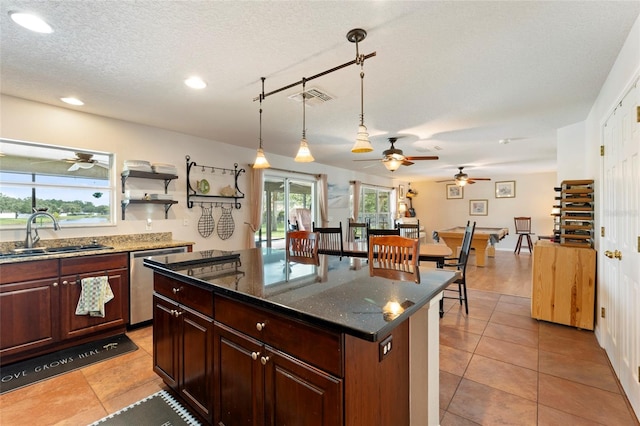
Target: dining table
<point x="429" y="252"/>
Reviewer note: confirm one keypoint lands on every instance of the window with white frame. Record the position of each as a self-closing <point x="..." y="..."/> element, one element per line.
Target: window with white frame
<point x="375" y="207"/>
<point x="76" y="186"/>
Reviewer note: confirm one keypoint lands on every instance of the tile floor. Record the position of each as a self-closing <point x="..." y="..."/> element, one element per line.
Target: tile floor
<point x="497" y="367"/>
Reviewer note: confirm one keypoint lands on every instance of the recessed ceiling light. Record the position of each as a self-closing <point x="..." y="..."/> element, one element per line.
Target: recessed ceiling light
<point x="72" y="101"/>
<point x="31" y="22"/>
<point x="195" y="83"/>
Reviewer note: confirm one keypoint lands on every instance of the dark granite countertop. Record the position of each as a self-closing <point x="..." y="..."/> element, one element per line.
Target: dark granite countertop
<point x="338" y="295"/>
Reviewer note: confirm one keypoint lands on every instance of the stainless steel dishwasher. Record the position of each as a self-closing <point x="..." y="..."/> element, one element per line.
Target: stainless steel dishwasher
<point x="141" y="284"/>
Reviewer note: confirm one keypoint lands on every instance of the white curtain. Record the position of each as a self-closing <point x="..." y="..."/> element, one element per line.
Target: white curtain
<point x="355" y="184"/>
<point x="393" y="206"/>
<point x="323" y="200"/>
<point x="256" y="189"/>
<point x="355" y="207"/>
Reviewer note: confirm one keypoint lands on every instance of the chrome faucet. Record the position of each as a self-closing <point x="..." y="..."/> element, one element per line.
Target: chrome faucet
<point x="30" y="240"/>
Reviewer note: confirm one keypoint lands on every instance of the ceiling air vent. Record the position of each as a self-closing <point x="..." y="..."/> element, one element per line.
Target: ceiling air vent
<point x="313" y="95"/>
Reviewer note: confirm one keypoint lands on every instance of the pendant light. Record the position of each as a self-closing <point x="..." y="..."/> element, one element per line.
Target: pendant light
<point x="261" y="161"/>
<point x="362" y="139"/>
<point x="304" y="154"/>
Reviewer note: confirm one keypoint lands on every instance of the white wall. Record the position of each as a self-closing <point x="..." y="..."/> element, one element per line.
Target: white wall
<point x="534" y="198"/>
<point x="36" y="122"/>
<point x="572" y="153"/>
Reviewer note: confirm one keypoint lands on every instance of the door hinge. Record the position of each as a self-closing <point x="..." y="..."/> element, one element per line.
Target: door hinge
<point x="602" y="231"/>
<point x="601" y="150"/>
<point x="638" y="244"/>
<point x="602" y="312"/>
<point x="638" y="113"/>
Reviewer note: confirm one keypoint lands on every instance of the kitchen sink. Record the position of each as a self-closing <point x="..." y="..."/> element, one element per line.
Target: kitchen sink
<point x="42" y="251"/>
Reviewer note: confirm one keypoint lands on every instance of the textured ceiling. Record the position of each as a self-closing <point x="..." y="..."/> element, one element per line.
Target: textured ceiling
<point x="455" y="75"/>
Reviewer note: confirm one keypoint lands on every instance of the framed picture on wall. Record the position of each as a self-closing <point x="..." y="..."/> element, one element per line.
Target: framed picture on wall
<point x="478" y="207"/>
<point x="454" y="192"/>
<point x="506" y="189"/>
<point x="400" y="192"/>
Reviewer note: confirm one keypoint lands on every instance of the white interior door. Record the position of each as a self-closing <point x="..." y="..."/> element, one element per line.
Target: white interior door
<point x="620" y="291"/>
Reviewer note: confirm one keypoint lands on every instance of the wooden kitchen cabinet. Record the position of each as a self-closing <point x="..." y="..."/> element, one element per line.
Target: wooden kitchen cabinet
<point x="563" y="287"/>
<point x="73" y="271"/>
<point x="183" y="341"/>
<point x="258" y="384"/>
<point x="38" y="300"/>
<point x="29" y="294"/>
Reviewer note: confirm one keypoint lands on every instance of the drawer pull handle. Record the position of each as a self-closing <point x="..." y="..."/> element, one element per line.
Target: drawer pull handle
<point x="260" y="326"/>
<point x="255" y="355"/>
<point x="55" y="284"/>
<point x="176" y="290"/>
<point x="264" y="360"/>
<point x="65" y="282"/>
<point x="177" y="313"/>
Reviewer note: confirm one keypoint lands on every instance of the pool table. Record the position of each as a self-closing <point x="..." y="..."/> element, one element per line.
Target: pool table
<point x="484" y="240"/>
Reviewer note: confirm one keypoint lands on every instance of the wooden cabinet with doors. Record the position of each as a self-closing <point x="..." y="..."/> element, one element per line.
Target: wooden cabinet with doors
<point x="38" y="301"/>
<point x="72" y="272"/>
<point x="258" y="384"/>
<point x="183" y="341"/>
<point x="29" y="294"/>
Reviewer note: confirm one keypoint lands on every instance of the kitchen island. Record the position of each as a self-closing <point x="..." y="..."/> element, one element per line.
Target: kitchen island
<point x="247" y="338"/>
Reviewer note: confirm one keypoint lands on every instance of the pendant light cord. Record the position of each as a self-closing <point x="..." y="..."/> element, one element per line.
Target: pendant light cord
<point x="304" y="102"/>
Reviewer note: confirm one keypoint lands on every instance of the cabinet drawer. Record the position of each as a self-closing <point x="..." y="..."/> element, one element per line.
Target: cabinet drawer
<point x="194" y="297"/>
<point x="93" y="263"/>
<point x="317" y="347"/>
<point x="27" y="271"/>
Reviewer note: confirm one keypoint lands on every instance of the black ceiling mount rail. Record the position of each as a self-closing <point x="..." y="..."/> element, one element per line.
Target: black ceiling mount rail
<point x="273" y="92"/>
<point x="356" y="35"/>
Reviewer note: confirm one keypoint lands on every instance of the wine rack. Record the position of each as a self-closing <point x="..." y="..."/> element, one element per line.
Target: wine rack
<point x="576" y="213"/>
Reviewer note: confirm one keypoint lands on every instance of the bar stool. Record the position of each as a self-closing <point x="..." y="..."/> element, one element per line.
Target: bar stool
<point x="523" y="229"/>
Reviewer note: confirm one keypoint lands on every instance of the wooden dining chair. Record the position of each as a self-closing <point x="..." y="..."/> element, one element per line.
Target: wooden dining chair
<point x="330" y="241"/>
<point x="460" y="264"/>
<point x="357" y="231"/>
<point x="409" y="230"/>
<point x="302" y="247"/>
<point x="523" y="230"/>
<point x="394" y="257"/>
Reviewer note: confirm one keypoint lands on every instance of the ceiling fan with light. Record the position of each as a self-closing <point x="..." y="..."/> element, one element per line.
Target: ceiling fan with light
<point x="83" y="160"/>
<point x="393" y="157"/>
<point x="461" y="178"/>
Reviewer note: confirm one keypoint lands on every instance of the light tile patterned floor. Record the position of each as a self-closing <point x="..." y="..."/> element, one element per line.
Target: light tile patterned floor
<point x="498" y="366"/>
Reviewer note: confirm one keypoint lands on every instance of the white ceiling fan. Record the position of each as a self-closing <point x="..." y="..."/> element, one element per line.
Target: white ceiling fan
<point x="83" y="160"/>
<point x="393" y="157"/>
<point x="461" y="178"/>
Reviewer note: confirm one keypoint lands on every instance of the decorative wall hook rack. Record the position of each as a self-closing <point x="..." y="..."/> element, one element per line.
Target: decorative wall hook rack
<point x="193" y="193"/>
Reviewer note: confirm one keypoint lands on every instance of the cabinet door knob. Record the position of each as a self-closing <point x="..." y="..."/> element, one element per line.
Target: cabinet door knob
<point x="176" y="290"/>
<point x="255" y="355"/>
<point x="177" y="313"/>
<point x="609" y="254"/>
<point x="65" y="282"/>
<point x="264" y="360"/>
<point x="55" y="284"/>
<point x="260" y="326"/>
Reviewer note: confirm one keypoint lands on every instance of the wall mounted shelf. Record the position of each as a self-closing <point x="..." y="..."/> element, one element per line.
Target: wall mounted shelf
<point x="194" y="196"/>
<point x="167" y="178"/>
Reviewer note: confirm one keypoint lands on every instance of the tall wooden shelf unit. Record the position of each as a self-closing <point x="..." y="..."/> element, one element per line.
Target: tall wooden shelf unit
<point x="576" y="213"/>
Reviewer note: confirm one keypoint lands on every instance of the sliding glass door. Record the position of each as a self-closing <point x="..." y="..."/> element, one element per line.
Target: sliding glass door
<point x="289" y="202"/>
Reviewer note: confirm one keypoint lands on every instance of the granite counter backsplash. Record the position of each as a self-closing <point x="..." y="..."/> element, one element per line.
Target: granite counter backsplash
<point x="128" y="242"/>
